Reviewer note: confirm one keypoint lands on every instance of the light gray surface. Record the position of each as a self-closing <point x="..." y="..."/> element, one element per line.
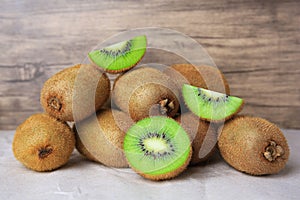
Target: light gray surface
<point x="81" y="179"/>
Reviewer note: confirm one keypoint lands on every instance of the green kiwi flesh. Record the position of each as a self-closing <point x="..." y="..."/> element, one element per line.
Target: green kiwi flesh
<point x="157" y="148"/>
<point x="210" y="105"/>
<point x="121" y="56"/>
<point x="253" y="145"/>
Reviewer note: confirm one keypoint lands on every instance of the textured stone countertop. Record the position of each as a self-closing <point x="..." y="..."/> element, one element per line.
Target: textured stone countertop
<point x="81" y="179"/>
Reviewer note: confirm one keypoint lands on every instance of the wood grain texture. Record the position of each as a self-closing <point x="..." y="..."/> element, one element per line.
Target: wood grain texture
<point x="255" y="44"/>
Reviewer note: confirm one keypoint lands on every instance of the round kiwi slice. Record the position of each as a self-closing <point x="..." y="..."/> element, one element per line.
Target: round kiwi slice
<point x="60" y="95"/>
<point x="253" y="145"/>
<point x="43" y="143"/>
<point x="120" y="57"/>
<point x="144" y="92"/>
<point x="210" y="105"/>
<point x="157" y="148"/>
<point x="202" y="76"/>
<point x="101" y="138"/>
<point x="202" y="134"/>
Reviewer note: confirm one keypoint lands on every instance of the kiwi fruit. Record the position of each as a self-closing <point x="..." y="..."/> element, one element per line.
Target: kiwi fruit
<point x="202" y="76"/>
<point x="43" y="143"/>
<point x="202" y="134"/>
<point x="81" y="148"/>
<point x="120" y="57"/>
<point x="70" y="95"/>
<point x="253" y="145"/>
<point x="210" y="105"/>
<point x="100" y="138"/>
<point x="157" y="148"/>
<point x="144" y="92"/>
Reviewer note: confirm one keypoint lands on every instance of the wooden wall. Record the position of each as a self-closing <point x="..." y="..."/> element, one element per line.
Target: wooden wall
<point x="255" y="44"/>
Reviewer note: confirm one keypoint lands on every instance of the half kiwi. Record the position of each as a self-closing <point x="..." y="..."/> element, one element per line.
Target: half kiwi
<point x="210" y="105"/>
<point x="157" y="148"/>
<point x="121" y="56"/>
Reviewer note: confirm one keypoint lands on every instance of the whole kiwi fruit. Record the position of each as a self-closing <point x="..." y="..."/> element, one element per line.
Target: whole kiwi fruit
<point x="145" y="92"/>
<point x="43" y="143"/>
<point x="203" y="136"/>
<point x="253" y="145"/>
<point x="71" y="94"/>
<point x="100" y="138"/>
<point x="202" y="76"/>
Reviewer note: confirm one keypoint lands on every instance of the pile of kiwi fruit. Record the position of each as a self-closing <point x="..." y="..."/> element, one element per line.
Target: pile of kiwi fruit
<point x="158" y="122"/>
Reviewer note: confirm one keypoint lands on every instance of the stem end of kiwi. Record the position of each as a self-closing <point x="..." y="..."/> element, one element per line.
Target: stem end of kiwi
<point x="55" y="103"/>
<point x="166" y="106"/>
<point x="273" y="151"/>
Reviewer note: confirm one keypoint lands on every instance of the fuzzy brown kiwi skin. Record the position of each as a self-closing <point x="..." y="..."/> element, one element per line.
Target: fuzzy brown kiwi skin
<point x="245" y="142"/>
<point x="197" y="130"/>
<point x="116" y="80"/>
<point x="43" y="143"/>
<point x="57" y="93"/>
<point x="100" y="138"/>
<point x="169" y="175"/>
<point x="146" y="91"/>
<point x="140" y="106"/>
<point x="81" y="148"/>
<point x="203" y="76"/>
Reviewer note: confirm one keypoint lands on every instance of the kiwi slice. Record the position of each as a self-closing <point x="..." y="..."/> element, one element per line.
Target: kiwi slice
<point x="100" y="138"/>
<point x="210" y="105"/>
<point x="202" y="134"/>
<point x="120" y="57"/>
<point x="43" y="143"/>
<point x="72" y="89"/>
<point x="145" y="92"/>
<point x="157" y="148"/>
<point x="253" y="145"/>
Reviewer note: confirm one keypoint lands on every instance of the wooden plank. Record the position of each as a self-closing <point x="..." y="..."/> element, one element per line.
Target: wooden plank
<point x="255" y="44"/>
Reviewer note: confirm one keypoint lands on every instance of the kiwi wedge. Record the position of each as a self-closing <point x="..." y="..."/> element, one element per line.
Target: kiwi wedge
<point x="210" y="105"/>
<point x="43" y="143"/>
<point x="253" y="145"/>
<point x="145" y="92"/>
<point x="100" y="138"/>
<point x="121" y="56"/>
<point x="72" y="89"/>
<point x="202" y="76"/>
<point x="202" y="134"/>
<point x="157" y="148"/>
